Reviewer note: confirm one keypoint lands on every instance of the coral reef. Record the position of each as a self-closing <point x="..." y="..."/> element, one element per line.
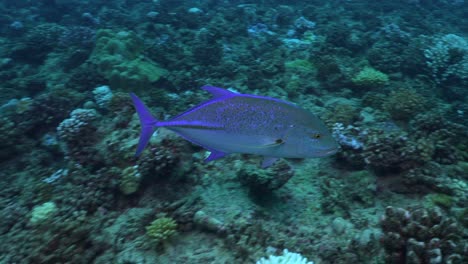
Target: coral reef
<point x="286" y="258"/>
<point x="404" y="104"/>
<point x="395" y="151"/>
<point x="38" y="42"/>
<point x="421" y="236"/>
<point x="75" y="128"/>
<point x="388" y="81"/>
<point x="161" y="229"/>
<point x="369" y="78"/>
<point x="42" y="213"/>
<point x="449" y="138"/>
<point x="102" y="96"/>
<point x="338" y="192"/>
<point x="343" y="113"/>
<point x="447" y="57"/>
<point x="78" y="135"/>
<point x="118" y="56"/>
<point x="130" y="180"/>
<point x="265" y="180"/>
<point x="166" y="160"/>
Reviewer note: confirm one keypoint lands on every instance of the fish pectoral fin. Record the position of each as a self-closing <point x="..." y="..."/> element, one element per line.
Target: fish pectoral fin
<point x="268" y="161"/>
<point x="214" y="155"/>
<point x="277" y="142"/>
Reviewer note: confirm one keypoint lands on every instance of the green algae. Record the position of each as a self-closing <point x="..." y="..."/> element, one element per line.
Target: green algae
<point x="119" y="57"/>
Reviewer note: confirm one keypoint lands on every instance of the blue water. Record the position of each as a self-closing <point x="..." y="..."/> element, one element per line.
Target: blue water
<point x="388" y="79"/>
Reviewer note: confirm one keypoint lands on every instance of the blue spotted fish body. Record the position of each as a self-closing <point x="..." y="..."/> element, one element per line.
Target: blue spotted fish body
<point x="242" y="123"/>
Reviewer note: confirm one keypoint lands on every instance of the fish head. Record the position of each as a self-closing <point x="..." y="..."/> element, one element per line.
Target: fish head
<point x="311" y="141"/>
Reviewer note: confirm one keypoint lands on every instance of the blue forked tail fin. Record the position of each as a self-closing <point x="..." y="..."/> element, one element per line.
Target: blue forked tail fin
<point x="147" y="121"/>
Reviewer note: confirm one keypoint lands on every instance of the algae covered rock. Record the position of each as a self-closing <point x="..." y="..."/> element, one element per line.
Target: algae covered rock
<point x="119" y="57"/>
<point x="266" y="180"/>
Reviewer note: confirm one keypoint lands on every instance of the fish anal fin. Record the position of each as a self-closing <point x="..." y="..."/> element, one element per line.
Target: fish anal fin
<point x="218" y="92"/>
<point x="214" y="155"/>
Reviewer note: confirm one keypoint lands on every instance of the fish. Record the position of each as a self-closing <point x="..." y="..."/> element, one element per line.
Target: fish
<point x="232" y="122"/>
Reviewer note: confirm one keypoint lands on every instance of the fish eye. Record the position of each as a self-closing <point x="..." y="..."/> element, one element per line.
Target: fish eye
<point x="316" y="135"/>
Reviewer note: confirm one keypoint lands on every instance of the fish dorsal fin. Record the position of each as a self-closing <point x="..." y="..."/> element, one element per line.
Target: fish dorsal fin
<point x="218" y="92"/>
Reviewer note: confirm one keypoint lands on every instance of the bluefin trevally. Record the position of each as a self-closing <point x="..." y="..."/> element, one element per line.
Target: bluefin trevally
<point x="242" y="123"/>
